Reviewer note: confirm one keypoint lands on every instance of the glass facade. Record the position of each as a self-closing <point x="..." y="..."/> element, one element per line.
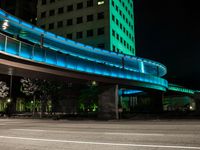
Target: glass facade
<point x="122" y="37"/>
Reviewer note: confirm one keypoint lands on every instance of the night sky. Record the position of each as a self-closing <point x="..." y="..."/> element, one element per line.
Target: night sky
<point x="168" y="31"/>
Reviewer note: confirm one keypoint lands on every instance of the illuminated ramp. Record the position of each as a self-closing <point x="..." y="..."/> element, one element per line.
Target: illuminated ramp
<point x="23" y="42"/>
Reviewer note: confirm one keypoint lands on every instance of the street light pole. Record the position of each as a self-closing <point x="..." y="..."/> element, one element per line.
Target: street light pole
<point x="10" y="73"/>
<point x="8" y="109"/>
<point x="10" y="86"/>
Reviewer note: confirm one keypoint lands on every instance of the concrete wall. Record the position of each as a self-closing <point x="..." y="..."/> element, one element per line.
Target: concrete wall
<point x="108" y="102"/>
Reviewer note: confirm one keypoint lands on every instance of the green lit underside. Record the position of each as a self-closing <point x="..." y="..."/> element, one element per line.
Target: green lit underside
<point x="127" y="45"/>
<point x="177" y="88"/>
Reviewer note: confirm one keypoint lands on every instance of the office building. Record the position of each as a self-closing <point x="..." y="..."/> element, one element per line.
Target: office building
<point x="107" y="24"/>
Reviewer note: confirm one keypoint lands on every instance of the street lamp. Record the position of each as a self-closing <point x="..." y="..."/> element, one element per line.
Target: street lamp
<point x="10" y="72"/>
<point x="8" y="100"/>
<point x="5" y="25"/>
<point x="94" y="83"/>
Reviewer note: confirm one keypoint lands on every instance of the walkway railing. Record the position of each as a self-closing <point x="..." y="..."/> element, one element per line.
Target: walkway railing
<point x="43" y="55"/>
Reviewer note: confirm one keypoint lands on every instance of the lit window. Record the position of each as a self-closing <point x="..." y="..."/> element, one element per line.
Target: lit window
<point x="100" y="2"/>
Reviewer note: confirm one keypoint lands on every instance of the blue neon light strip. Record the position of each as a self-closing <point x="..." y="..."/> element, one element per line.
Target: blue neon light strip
<point x="129" y="92"/>
<point x="75" y="63"/>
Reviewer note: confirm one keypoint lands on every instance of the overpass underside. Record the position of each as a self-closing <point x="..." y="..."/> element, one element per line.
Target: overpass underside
<point x="109" y="98"/>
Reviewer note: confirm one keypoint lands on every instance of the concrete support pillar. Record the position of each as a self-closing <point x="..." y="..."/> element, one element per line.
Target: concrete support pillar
<point x="68" y="103"/>
<point x="108" y="102"/>
<point x="157" y="102"/>
<point x="197" y="102"/>
<point x="71" y="106"/>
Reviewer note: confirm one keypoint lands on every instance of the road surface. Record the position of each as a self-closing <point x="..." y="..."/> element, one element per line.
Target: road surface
<point x="27" y="134"/>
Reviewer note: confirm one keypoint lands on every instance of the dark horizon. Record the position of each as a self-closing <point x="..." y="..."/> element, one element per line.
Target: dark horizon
<point x="168" y="32"/>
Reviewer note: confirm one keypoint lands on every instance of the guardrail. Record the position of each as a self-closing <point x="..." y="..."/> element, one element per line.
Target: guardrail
<point x="35" y="53"/>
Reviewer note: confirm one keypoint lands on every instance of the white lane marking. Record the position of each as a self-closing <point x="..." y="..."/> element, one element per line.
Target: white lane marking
<point x="89" y="132"/>
<point x="100" y="143"/>
<point x="31" y="130"/>
<point x="13" y="122"/>
<point x="139" y="134"/>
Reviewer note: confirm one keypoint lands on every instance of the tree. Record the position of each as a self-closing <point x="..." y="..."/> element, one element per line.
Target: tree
<point x="3" y="89"/>
<point x="56" y="93"/>
<point x="29" y="87"/>
<point x="88" y="99"/>
<point x="44" y="90"/>
<point x="43" y="93"/>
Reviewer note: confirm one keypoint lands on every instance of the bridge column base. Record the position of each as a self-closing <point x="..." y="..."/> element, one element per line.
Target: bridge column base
<point x="157" y="102"/>
<point x="69" y="103"/>
<point x="108" y="103"/>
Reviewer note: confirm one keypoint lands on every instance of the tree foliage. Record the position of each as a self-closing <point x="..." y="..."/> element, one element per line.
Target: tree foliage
<point x="29" y="86"/>
<point x="43" y="90"/>
<point x="88" y="99"/>
<point x="3" y="89"/>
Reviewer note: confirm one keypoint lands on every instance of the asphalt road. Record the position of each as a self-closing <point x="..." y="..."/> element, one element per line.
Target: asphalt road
<point x="17" y="134"/>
